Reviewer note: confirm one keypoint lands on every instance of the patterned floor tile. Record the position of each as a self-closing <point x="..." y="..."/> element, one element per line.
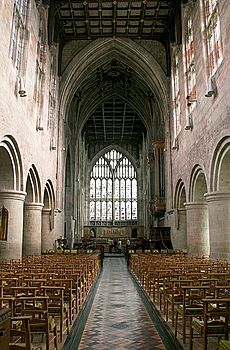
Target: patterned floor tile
<point x="118" y="319"/>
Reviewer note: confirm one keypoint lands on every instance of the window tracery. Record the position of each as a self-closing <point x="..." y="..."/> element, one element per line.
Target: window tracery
<point x="113" y="189"/>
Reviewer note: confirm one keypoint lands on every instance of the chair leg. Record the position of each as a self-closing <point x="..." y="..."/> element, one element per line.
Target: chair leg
<point x="172" y="310"/>
<point x="55" y="337"/>
<point x="191" y="337"/>
<point x="176" y="320"/>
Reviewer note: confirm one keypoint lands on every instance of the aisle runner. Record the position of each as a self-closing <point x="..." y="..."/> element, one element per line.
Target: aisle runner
<point x="118" y="319"/>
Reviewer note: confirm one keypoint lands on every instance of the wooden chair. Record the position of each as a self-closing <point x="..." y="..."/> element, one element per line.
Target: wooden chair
<point x="37" y="308"/>
<point x="56" y="307"/>
<point x="191" y="306"/>
<point x="215" y="322"/>
<point x="5" y="315"/>
<point x="20" y="333"/>
<point x="174" y="297"/>
<point x="69" y="296"/>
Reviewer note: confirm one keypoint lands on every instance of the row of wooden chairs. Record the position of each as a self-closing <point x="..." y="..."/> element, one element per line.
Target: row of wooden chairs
<point x="180" y="286"/>
<point x="45" y="295"/>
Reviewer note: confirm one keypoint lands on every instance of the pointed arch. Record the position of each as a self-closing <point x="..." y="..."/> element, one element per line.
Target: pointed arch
<point x="33" y="186"/>
<point x="219" y="177"/>
<point x="180" y="195"/>
<point x="198" y="185"/>
<point x="109" y="148"/>
<point x="113" y="189"/>
<point x="11" y="174"/>
<point x="49" y="196"/>
<point x="101" y="51"/>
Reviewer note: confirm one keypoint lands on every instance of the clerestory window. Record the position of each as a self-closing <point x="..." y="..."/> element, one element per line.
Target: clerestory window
<point x="212" y="22"/>
<point x="18" y="33"/>
<point x="189" y="61"/>
<point x="176" y="96"/>
<point x="113" y="189"/>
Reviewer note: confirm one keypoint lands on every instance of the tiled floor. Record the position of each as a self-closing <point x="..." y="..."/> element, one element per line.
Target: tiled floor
<point x="118" y="319"/>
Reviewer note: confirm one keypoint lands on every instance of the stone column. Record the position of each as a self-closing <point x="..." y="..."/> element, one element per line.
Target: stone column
<point x="179" y="235"/>
<point x="197" y="228"/>
<point x="219" y="224"/>
<point x="159" y="169"/>
<point x="32" y="229"/>
<point x="13" y="201"/>
<point x="47" y="237"/>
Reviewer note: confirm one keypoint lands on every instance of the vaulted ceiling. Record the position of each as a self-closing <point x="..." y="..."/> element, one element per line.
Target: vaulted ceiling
<point x="121" y="103"/>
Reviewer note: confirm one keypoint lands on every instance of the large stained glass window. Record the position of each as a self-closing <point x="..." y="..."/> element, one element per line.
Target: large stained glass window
<point x="113" y="189"/>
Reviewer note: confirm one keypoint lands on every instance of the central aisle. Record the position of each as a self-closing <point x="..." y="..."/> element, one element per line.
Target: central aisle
<point x="118" y="319"/>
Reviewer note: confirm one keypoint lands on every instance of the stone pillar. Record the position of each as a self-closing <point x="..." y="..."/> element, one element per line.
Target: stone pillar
<point x="13" y="201"/>
<point x="179" y="235"/>
<point x="48" y="236"/>
<point x="219" y="224"/>
<point x="32" y="229"/>
<point x="197" y="228"/>
<point x="159" y="169"/>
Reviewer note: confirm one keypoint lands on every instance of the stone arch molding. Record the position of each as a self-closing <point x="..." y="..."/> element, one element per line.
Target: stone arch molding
<point x="220" y="172"/>
<point x="49" y="196"/>
<point x="102" y="50"/>
<point x="33" y="187"/>
<point x="11" y="175"/>
<point x="198" y="185"/>
<point x="180" y="195"/>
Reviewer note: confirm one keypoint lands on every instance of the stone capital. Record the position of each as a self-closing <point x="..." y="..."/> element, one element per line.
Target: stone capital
<point x="33" y="206"/>
<point x="195" y="205"/>
<point x="13" y="195"/>
<point x="217" y="196"/>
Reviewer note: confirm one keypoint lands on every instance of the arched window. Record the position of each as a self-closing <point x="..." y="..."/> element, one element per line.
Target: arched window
<point x="113" y="189"/>
<point x="213" y="34"/>
<point x="18" y="33"/>
<point x="19" y="42"/>
<point x="41" y="58"/>
<point x="189" y="61"/>
<point x="176" y="96"/>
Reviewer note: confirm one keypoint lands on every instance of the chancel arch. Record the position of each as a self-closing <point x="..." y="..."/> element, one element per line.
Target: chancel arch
<point x="100" y="51"/>
<point x="120" y="99"/>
